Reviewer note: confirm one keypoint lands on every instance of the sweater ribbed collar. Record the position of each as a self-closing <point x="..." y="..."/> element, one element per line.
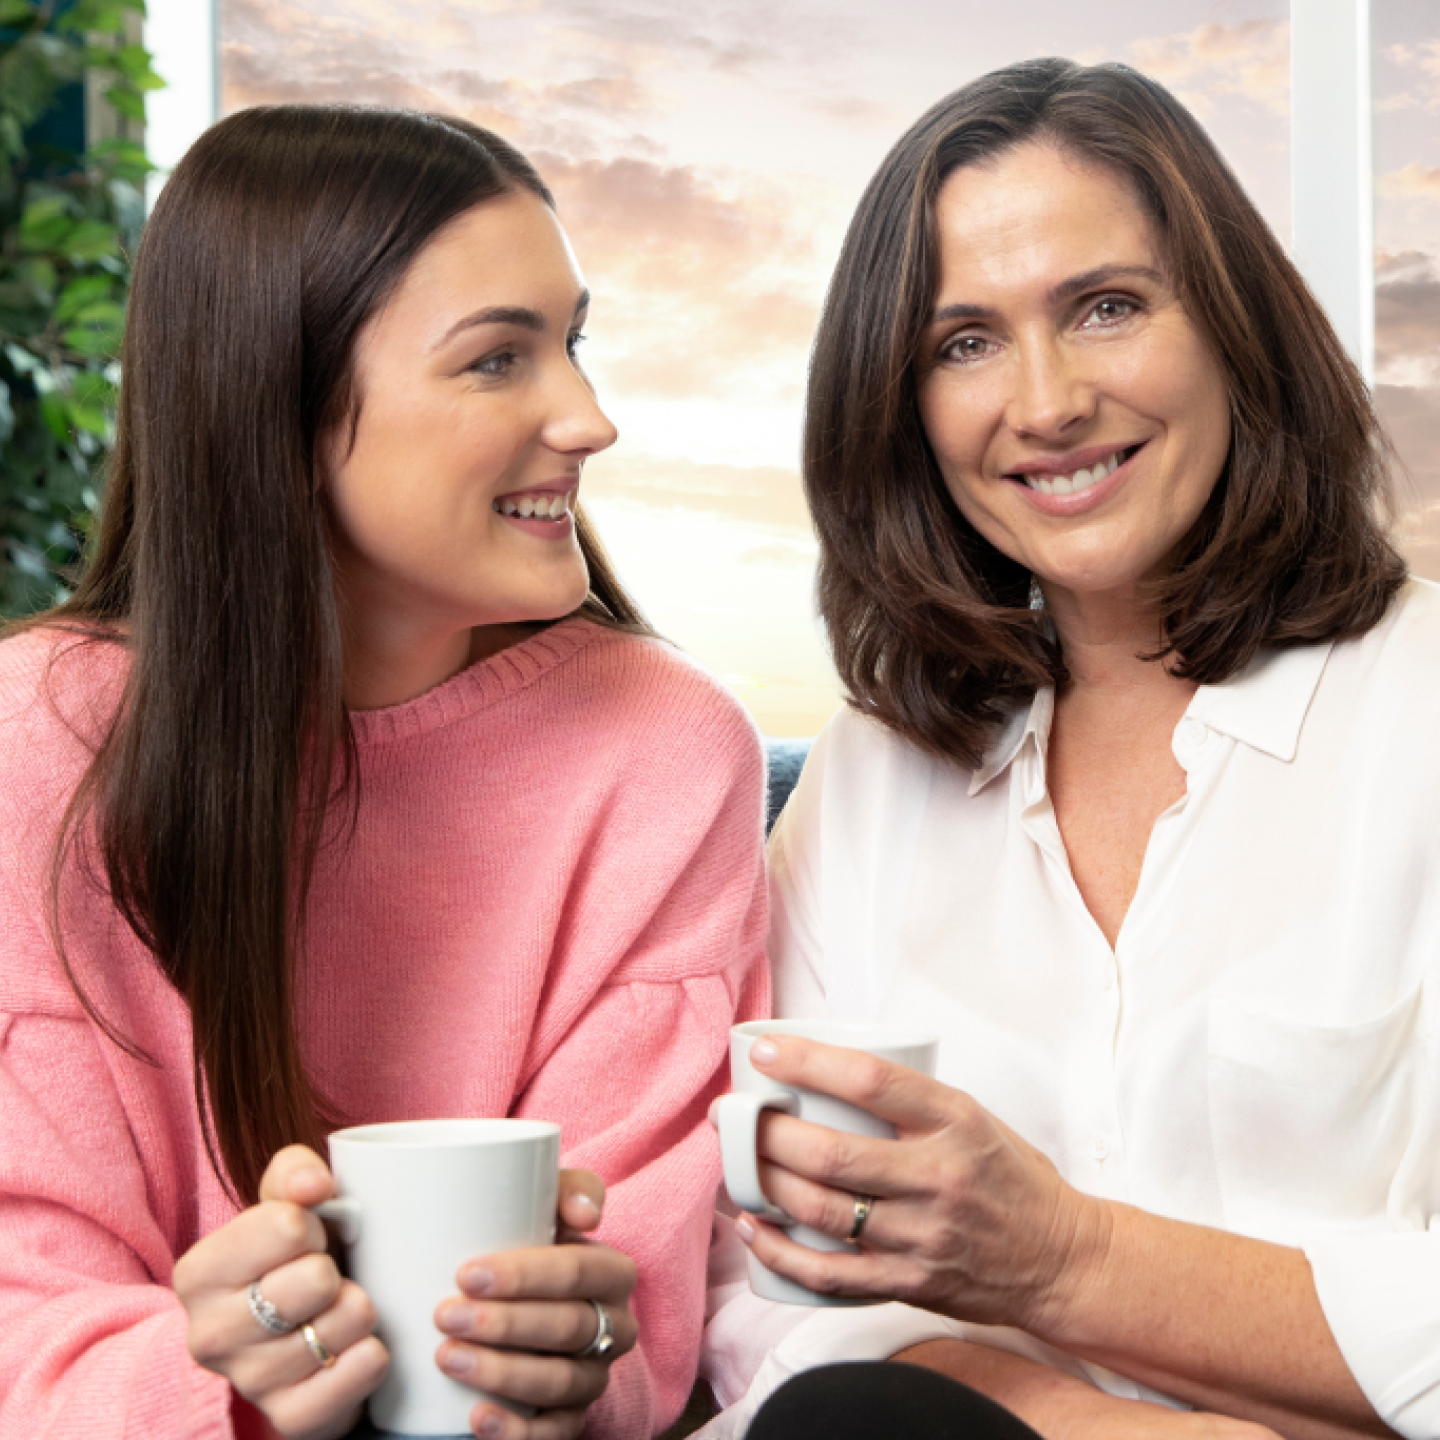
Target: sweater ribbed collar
<point x="476" y="687"/>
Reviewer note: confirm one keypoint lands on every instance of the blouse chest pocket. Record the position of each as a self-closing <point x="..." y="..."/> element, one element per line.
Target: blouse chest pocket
<point x="1309" y="1122"/>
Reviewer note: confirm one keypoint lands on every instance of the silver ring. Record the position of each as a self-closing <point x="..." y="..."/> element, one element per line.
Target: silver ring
<point x="604" y="1341"/>
<point x="266" y="1315"/>
<point x="317" y="1347"/>
<point x="864" y="1204"/>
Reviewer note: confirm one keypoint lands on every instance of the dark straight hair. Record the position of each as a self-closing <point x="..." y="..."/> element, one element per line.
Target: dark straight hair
<point x="231" y="755"/>
<point x="930" y="624"/>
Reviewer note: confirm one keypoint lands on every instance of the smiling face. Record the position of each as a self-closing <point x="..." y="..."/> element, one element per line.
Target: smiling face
<point x="1078" y="417"/>
<point x="452" y="508"/>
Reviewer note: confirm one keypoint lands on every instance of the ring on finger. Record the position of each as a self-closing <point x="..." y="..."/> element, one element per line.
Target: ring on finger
<point x="604" y="1341"/>
<point x="266" y="1315"/>
<point x="864" y="1204"/>
<point x="317" y="1347"/>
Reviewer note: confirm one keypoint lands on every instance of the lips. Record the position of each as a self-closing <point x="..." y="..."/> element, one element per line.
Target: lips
<point x="536" y="505"/>
<point x="1049" y="480"/>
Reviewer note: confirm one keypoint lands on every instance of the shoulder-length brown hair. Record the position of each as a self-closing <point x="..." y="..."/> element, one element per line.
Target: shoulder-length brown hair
<point x="930" y="625"/>
<point x="278" y="234"/>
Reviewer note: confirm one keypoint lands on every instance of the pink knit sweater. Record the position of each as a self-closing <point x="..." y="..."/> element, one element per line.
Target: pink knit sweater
<point x="553" y="907"/>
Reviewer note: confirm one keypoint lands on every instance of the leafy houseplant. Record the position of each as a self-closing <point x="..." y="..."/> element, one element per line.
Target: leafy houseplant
<point x="69" y="217"/>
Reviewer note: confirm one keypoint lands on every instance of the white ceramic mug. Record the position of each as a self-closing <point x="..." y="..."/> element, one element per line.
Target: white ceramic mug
<point x="418" y="1198"/>
<point x="738" y="1115"/>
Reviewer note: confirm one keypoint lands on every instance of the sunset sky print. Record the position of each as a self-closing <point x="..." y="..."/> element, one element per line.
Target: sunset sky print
<point x="706" y="158"/>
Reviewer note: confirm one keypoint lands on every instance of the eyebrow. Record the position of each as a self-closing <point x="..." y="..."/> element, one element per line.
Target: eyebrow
<point x="1094" y="279"/>
<point x="519" y="315"/>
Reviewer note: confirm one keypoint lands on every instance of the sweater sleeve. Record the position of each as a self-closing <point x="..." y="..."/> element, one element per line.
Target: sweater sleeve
<point x="92" y="1339"/>
<point x="634" y="1073"/>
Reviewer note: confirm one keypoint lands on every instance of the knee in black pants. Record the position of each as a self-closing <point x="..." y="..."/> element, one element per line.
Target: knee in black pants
<point x="882" y="1401"/>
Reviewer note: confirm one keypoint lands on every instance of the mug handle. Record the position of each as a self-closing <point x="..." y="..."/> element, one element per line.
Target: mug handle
<point x="736" y="1118"/>
<point x="344" y="1213"/>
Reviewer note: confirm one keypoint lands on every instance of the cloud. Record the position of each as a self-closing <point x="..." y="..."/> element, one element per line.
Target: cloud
<point x="1250" y="60"/>
<point x="1411" y="182"/>
<point x="768" y="497"/>
<point x="1407" y="319"/>
<point x="278" y="51"/>
<point x="697" y="289"/>
<point x="1422" y="57"/>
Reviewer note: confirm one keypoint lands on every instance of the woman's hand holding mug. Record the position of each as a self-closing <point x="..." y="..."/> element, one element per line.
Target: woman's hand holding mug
<point x="278" y="1248"/>
<point x="525" y="1318"/>
<point x="269" y="1310"/>
<point x="966" y="1218"/>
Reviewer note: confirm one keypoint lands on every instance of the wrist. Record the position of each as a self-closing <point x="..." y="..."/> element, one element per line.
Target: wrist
<point x="1083" y="1272"/>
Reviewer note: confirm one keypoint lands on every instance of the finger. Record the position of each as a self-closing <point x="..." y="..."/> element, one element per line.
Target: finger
<point x="287" y="1360"/>
<point x="851" y="1273"/>
<point x="299" y="1291"/>
<point x="582" y="1198"/>
<point x="494" y="1422"/>
<point x="560" y="1327"/>
<point x="857" y="1163"/>
<point x="904" y="1097"/>
<point x="830" y="1211"/>
<point x="545" y="1381"/>
<point x="297" y="1174"/>
<point x="551" y="1272"/>
<point x="327" y="1403"/>
<point x="255" y="1242"/>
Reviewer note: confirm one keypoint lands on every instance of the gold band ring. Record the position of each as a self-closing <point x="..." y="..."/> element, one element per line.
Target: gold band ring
<point x="317" y="1347"/>
<point x="864" y="1204"/>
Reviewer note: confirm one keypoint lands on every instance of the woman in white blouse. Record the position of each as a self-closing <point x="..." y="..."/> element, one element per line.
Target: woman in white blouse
<point x="1136" y="803"/>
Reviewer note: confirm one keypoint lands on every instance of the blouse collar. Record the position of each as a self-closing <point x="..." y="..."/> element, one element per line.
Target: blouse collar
<point x="1263" y="706"/>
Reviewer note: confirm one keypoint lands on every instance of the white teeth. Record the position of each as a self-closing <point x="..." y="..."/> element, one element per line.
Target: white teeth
<point x="1082" y="479"/>
<point x="536" y="507"/>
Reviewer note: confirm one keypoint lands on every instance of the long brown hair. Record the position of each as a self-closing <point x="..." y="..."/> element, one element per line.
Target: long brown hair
<point x="278" y="234"/>
<point x="930" y="624"/>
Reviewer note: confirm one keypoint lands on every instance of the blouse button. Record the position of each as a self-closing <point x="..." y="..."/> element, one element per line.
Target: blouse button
<point x="1100" y="1148"/>
<point x="1193" y="734"/>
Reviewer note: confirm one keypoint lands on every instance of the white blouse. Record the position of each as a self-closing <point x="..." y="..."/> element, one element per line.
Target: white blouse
<point x="1257" y="1053"/>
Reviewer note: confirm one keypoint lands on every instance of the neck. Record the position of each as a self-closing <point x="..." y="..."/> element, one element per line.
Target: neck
<point x="393" y="655"/>
<point x="1103" y="637"/>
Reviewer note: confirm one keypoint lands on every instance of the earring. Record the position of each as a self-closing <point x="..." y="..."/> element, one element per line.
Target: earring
<point x="1037" y="596"/>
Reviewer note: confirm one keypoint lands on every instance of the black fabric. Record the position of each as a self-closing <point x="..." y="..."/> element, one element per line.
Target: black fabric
<point x="882" y="1401"/>
<point x="784" y="760"/>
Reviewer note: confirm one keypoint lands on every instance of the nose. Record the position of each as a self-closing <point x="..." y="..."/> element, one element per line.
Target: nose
<point x="575" y="424"/>
<point x="1051" y="394"/>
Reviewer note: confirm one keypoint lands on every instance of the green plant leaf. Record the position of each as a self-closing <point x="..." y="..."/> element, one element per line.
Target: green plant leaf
<point x="82" y="292"/>
<point x="46" y="223"/>
<point x="17" y="12"/>
<point x="133" y="62"/>
<point x="127" y="102"/>
<point x="56" y="412"/>
<point x="98" y="343"/>
<point x="91" y="239"/>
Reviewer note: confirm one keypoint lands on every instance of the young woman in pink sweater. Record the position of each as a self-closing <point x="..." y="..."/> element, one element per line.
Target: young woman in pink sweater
<point x="350" y="786"/>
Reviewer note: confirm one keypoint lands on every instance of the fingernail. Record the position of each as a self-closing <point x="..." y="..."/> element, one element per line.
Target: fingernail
<point x="457" y="1361"/>
<point x="309" y="1175"/>
<point x="490" y="1426"/>
<point x="454" y="1319"/>
<point x="476" y="1280"/>
<point x="583" y="1202"/>
<point x="764" y="1052"/>
<point x="745" y="1229"/>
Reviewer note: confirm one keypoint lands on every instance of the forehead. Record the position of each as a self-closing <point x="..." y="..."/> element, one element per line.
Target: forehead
<point x="506" y="251"/>
<point x="1033" y="216"/>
